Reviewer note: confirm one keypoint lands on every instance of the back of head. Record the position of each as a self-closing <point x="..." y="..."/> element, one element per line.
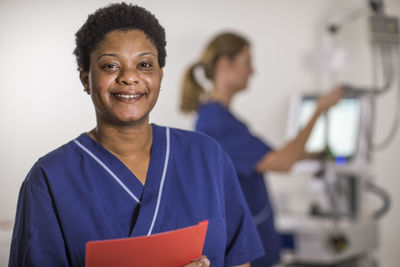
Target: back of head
<point x="120" y="16"/>
<point x="225" y="44"/>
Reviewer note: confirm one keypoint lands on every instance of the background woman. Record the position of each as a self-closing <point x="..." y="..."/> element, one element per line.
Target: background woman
<point x="226" y="62"/>
<point x="127" y="177"/>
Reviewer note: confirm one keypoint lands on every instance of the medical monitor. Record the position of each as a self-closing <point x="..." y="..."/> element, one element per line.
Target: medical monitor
<point x="337" y="129"/>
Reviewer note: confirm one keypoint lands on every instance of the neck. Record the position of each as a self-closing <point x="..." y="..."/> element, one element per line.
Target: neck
<point x="124" y="141"/>
<point x="222" y="94"/>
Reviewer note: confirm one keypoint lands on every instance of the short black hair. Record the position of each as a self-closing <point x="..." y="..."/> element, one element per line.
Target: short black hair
<point x="118" y="16"/>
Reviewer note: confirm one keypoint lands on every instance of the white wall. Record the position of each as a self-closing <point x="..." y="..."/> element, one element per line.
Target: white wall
<point x="43" y="105"/>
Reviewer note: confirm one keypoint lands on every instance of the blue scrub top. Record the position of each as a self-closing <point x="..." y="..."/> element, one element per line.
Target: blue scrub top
<point x="82" y="192"/>
<point x="245" y="150"/>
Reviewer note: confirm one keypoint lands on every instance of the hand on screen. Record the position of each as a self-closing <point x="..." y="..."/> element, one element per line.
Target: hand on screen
<point x="201" y="262"/>
<point x="331" y="98"/>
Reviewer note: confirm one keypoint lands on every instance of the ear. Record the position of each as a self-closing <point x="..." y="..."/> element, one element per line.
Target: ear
<point x="161" y="74"/>
<point x="84" y="76"/>
<point x="223" y="62"/>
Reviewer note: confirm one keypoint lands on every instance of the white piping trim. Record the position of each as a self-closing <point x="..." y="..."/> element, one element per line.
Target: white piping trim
<point x="108" y="170"/>
<point x="262" y="216"/>
<point x="162" y="181"/>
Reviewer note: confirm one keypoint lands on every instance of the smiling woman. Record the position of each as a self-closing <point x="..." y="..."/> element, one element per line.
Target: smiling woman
<point x="124" y="79"/>
<point x="127" y="177"/>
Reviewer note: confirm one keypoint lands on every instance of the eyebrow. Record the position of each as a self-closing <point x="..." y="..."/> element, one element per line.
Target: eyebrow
<point x="107" y="55"/>
<point x="116" y="55"/>
<point x="146" y="53"/>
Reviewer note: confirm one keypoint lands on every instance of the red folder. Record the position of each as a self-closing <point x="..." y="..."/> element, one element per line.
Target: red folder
<point x="168" y="249"/>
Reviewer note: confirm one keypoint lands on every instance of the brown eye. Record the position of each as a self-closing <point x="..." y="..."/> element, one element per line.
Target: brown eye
<point x="110" y="66"/>
<point x="145" y="65"/>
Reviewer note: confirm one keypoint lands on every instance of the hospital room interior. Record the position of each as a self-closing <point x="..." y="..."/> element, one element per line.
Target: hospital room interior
<point x="341" y="209"/>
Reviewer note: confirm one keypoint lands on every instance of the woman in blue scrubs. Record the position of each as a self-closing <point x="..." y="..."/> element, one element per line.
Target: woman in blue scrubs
<point x="226" y="62"/>
<point x="126" y="177"/>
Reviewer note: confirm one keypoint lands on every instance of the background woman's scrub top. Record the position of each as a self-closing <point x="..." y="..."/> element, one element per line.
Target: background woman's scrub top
<point x="82" y="192"/>
<point x="246" y="151"/>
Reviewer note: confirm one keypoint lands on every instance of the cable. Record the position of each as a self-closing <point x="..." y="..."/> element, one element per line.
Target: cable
<point x="387" y="69"/>
<point x="387" y="73"/>
<point x="373" y="188"/>
<point x="395" y="125"/>
<point x="350" y="14"/>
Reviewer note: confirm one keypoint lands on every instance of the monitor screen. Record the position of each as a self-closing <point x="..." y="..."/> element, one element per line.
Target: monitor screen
<point x="337" y="129"/>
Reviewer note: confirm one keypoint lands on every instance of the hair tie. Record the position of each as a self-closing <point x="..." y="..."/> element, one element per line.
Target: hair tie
<point x="199" y="73"/>
<point x="198" y="65"/>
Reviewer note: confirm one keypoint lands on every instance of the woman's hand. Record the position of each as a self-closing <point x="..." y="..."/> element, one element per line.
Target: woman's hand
<point x="331" y="98"/>
<point x="201" y="262"/>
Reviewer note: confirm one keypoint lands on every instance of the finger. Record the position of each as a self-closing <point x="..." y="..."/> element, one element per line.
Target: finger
<point x="203" y="261"/>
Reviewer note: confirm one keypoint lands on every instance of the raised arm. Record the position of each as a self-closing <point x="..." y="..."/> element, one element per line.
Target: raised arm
<point x="284" y="158"/>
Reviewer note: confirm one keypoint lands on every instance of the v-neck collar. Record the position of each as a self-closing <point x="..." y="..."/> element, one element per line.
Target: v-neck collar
<point x="148" y="195"/>
<point x="153" y="189"/>
<point x="115" y="168"/>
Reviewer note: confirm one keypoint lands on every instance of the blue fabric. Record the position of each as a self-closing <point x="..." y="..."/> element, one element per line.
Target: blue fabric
<point x="245" y="150"/>
<point x="68" y="198"/>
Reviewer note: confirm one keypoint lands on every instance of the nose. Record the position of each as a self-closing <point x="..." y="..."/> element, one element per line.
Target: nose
<point x="128" y="77"/>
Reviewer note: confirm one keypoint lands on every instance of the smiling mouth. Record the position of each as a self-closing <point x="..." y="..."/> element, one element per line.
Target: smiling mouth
<point x="127" y="97"/>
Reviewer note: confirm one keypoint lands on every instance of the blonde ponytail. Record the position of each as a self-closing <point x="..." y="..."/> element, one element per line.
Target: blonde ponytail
<point x="192" y="91"/>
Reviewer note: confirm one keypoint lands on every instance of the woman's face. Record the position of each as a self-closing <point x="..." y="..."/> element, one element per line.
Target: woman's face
<point x="124" y="77"/>
<point x="240" y="70"/>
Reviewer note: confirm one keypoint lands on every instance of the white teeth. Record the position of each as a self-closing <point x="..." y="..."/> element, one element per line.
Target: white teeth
<point x="127" y="96"/>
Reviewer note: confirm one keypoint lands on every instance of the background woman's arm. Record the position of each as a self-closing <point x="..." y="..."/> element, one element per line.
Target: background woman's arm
<point x="283" y="159"/>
